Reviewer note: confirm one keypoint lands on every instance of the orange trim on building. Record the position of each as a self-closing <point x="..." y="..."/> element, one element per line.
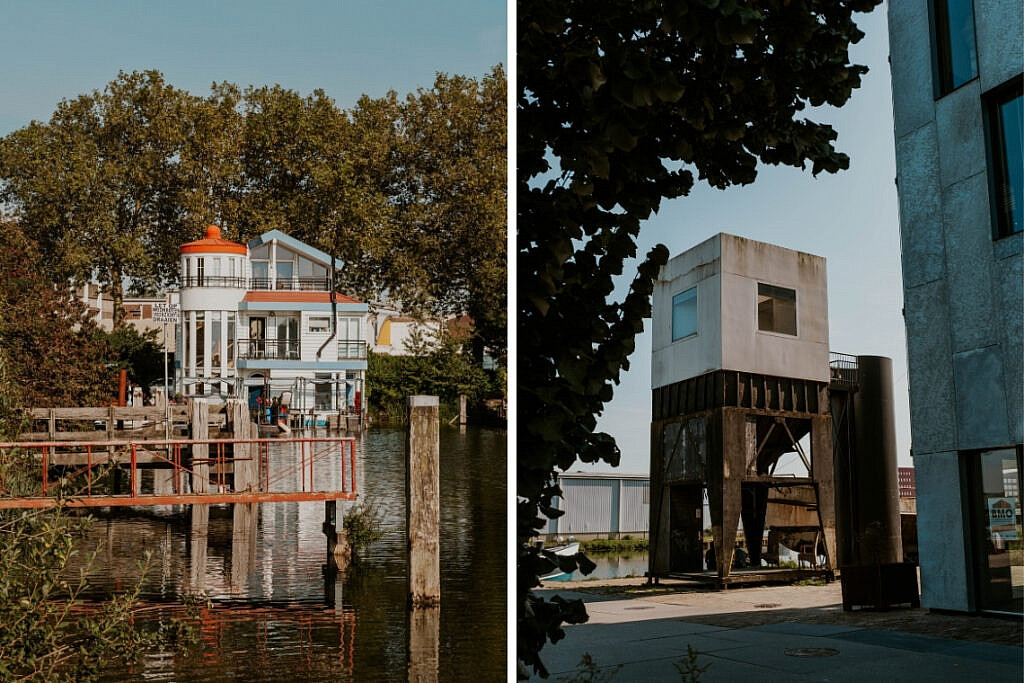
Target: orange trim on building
<point x="261" y="296"/>
<point x="213" y="243"/>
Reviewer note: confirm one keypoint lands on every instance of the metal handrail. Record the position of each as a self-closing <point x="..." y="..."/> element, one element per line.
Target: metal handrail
<point x="299" y="284"/>
<point x="351" y="349"/>
<point x="213" y="281"/>
<point x="843" y="369"/>
<point x="302" y="284"/>
<point x="268" y="349"/>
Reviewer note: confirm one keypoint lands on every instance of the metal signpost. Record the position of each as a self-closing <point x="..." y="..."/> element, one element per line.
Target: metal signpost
<point x="166" y="313"/>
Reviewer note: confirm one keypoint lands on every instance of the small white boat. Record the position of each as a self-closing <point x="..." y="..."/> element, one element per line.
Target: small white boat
<point x="566" y="550"/>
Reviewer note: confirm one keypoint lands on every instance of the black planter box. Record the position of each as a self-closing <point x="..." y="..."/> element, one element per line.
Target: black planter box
<point x="880" y="585"/>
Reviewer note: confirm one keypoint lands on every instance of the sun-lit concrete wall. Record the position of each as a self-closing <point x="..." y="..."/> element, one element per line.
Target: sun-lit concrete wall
<point x="962" y="289"/>
<point x="726" y="270"/>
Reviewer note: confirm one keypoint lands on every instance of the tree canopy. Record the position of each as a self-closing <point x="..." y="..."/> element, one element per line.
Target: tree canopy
<point x="619" y="105"/>
<point x="410" y="194"/>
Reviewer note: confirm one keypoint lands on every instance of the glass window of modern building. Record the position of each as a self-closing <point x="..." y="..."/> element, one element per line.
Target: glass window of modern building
<point x="684" y="314"/>
<point x="955" y="52"/>
<point x="996" y="516"/>
<point x="1005" y="107"/>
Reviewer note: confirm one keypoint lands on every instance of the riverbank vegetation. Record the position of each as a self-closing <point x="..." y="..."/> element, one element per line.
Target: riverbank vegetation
<point x="444" y="369"/>
<point x="614" y="545"/>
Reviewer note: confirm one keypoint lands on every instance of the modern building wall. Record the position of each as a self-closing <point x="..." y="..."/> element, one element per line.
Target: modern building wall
<point x="726" y="270"/>
<point x="962" y="283"/>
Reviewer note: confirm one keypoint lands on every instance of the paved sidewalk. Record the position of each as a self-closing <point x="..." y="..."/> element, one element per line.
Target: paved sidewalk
<point x="648" y="635"/>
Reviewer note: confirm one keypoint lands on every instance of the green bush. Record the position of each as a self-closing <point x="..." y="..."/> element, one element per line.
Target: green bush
<point x="444" y="372"/>
<point x="363" y="524"/>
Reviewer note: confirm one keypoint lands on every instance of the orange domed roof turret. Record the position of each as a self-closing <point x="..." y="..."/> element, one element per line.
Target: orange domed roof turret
<point x="213" y="243"/>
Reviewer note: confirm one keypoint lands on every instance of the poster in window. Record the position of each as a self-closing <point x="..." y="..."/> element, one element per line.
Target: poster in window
<point x="1002" y="518"/>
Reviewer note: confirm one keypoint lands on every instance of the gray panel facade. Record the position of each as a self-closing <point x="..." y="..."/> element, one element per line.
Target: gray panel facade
<point x="962" y="286"/>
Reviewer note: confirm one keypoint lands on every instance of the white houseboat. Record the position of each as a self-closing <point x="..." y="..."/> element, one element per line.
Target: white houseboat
<point x="258" y="320"/>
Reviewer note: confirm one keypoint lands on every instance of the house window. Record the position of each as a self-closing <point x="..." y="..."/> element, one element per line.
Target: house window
<point x="260" y="275"/>
<point x="776" y="309"/>
<point x="955" y="52"/>
<point x="684" y="314"/>
<point x="1005" y="121"/>
<point x="319" y="324"/>
<point x="200" y="270"/>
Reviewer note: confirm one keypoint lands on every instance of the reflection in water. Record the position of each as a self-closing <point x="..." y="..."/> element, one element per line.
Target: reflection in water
<point x="282" y="613"/>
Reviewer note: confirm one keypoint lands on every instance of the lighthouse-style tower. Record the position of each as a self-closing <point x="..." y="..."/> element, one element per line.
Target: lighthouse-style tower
<point x="214" y="278"/>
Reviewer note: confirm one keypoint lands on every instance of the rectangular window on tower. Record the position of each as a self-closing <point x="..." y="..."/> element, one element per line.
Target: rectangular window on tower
<point x="776" y="309"/>
<point x="684" y="314"/>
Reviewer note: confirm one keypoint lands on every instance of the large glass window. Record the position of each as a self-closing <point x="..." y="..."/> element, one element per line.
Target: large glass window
<point x="284" y="274"/>
<point x="776" y="309"/>
<point x="684" y="314"/>
<point x="1005" y="123"/>
<point x="956" y="56"/>
<point x="231" y="341"/>
<point x="200" y="270"/>
<point x="995" y="496"/>
<point x="200" y="342"/>
<point x="216" y="343"/>
<point x="260" y="275"/>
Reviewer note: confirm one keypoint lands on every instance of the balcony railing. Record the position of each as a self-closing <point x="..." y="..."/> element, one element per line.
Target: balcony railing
<point x="298" y="284"/>
<point x="844" y="370"/>
<point x="348" y="350"/>
<point x="268" y="349"/>
<point x="289" y="349"/>
<point x="301" y="284"/>
<point x="213" y="281"/>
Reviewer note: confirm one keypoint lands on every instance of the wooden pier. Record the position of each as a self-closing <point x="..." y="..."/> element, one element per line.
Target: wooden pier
<point x="196" y="469"/>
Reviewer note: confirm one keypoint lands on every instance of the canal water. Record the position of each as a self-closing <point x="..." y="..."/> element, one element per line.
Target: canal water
<point x="278" y="612"/>
<point x="610" y="566"/>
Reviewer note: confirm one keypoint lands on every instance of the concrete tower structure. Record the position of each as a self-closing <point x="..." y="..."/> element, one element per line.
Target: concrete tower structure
<point x="740" y="376"/>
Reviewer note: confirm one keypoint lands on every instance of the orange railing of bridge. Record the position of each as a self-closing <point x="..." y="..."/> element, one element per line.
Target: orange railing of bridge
<point x="79" y="462"/>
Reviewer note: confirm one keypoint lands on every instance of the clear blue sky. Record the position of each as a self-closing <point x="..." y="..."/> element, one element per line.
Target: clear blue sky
<point x="57" y="49"/>
<point x="850" y="218"/>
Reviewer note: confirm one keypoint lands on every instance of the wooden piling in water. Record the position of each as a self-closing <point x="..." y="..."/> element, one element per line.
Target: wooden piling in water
<point x="338" y="550"/>
<point x="198" y="418"/>
<point x="422" y="501"/>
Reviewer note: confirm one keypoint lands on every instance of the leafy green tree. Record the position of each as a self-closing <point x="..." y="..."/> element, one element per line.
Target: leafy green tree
<point x="52" y="355"/>
<point x="451" y="222"/>
<point x="137" y="352"/>
<point x="619" y="104"/>
<point x="97" y="185"/>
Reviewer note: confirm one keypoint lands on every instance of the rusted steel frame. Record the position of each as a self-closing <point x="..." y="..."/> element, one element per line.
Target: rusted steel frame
<point x="352" y="450"/>
<point x="184" y="499"/>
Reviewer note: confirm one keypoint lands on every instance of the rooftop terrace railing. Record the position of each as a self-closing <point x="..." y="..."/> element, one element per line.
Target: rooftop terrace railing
<point x="844" y="370"/>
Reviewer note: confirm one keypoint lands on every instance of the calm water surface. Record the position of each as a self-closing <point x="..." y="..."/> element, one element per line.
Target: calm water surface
<point x="279" y="614"/>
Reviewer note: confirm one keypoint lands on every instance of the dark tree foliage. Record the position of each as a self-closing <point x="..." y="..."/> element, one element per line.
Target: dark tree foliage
<point x="619" y="104"/>
<point x="50" y="354"/>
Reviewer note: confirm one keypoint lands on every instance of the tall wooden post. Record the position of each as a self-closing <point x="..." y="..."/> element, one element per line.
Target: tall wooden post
<point x="198" y="418"/>
<point x="422" y="502"/>
<point x="462" y="410"/>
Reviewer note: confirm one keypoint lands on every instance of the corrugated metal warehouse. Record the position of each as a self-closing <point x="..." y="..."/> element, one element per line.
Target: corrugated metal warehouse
<point x="600" y="505"/>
